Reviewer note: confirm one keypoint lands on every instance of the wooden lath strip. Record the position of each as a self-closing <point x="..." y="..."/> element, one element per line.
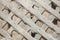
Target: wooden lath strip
<point x="48" y="8"/>
<point x="17" y="27"/>
<point x="5" y="34"/>
<point x="31" y="23"/>
<point x="45" y="20"/>
<point x="44" y="26"/>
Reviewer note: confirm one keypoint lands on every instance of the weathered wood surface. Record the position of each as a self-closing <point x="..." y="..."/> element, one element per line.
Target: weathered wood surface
<point x="29" y="19"/>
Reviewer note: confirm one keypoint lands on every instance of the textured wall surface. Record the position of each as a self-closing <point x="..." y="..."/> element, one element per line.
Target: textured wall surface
<point x="29" y="19"/>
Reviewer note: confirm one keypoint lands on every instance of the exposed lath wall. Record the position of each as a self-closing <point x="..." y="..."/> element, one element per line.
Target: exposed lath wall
<point x="29" y="19"/>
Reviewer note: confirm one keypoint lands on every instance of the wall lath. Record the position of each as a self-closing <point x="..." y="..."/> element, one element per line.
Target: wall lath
<point x="29" y="19"/>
